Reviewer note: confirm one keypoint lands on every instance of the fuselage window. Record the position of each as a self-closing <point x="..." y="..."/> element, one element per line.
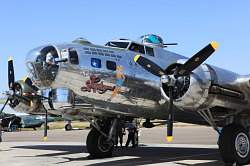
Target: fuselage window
<point x="149" y="51"/>
<point x="73" y="57"/>
<point x="137" y="48"/>
<point x="111" y="65"/>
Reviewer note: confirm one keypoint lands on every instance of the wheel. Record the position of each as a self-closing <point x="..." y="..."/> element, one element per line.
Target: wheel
<point x="234" y="144"/>
<point x="12" y="128"/>
<point x="98" y="146"/>
<point x="68" y="127"/>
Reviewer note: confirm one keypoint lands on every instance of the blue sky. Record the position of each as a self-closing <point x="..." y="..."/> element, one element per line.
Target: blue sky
<point x="193" y="24"/>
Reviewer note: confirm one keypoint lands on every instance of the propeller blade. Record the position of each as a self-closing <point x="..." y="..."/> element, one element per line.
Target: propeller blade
<point x="28" y="81"/>
<point x="149" y="65"/>
<point x="45" y="137"/>
<point x="170" y="116"/>
<point x="19" y="97"/>
<point x="196" y="60"/>
<point x="11" y="74"/>
<point x="4" y="105"/>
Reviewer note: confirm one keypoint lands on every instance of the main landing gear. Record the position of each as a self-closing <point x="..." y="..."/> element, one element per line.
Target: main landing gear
<point x="234" y="145"/>
<point x="100" y="140"/>
<point x="103" y="136"/>
<point x="98" y="145"/>
<point x="234" y="140"/>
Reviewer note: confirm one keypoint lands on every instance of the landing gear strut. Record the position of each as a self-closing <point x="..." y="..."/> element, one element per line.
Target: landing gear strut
<point x="234" y="144"/>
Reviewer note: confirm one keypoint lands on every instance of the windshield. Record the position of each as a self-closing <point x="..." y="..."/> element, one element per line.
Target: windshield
<point x="118" y="44"/>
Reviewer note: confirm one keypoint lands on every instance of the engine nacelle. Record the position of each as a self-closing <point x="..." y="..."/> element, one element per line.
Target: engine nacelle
<point x="192" y="90"/>
<point x="28" y="102"/>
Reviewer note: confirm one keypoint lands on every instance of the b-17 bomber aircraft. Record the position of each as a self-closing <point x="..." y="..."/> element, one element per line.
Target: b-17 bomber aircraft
<point x="129" y="79"/>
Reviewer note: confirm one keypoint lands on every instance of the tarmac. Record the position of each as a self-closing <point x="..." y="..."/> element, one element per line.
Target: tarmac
<point x="192" y="145"/>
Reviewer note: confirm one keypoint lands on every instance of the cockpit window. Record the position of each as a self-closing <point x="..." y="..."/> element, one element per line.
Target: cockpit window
<point x="118" y="44"/>
<point x="137" y="48"/>
<point x="149" y="51"/>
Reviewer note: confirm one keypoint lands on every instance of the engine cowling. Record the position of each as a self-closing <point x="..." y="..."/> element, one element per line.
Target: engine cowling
<point x="191" y="91"/>
<point x="27" y="101"/>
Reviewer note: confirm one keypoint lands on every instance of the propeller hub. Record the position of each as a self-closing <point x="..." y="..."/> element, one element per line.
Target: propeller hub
<point x="170" y="80"/>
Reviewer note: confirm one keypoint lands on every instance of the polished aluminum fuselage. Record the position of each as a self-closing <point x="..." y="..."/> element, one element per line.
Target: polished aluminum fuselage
<point x="141" y="94"/>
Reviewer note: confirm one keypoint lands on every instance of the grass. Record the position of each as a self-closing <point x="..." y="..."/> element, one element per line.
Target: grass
<point x="61" y="125"/>
<point x="75" y="124"/>
<point x="2" y="101"/>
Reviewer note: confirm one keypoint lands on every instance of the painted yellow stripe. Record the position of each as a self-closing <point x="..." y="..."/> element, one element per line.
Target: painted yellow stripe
<point x="25" y="78"/>
<point x="170" y="138"/>
<point x="136" y="57"/>
<point x="10" y="59"/>
<point x="31" y="103"/>
<point x="214" y="44"/>
<point x="45" y="138"/>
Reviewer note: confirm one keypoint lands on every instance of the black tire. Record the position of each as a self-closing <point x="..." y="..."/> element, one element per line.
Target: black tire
<point x="68" y="127"/>
<point x="13" y="128"/>
<point x="96" y="145"/>
<point x="234" y="137"/>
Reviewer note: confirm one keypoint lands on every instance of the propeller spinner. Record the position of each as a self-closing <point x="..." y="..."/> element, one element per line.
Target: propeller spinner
<point x="171" y="79"/>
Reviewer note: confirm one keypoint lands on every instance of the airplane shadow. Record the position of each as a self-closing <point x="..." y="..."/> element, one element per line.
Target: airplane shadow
<point x="141" y="155"/>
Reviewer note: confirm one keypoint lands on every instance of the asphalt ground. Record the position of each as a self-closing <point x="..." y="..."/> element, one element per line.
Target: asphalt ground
<point x="192" y="145"/>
